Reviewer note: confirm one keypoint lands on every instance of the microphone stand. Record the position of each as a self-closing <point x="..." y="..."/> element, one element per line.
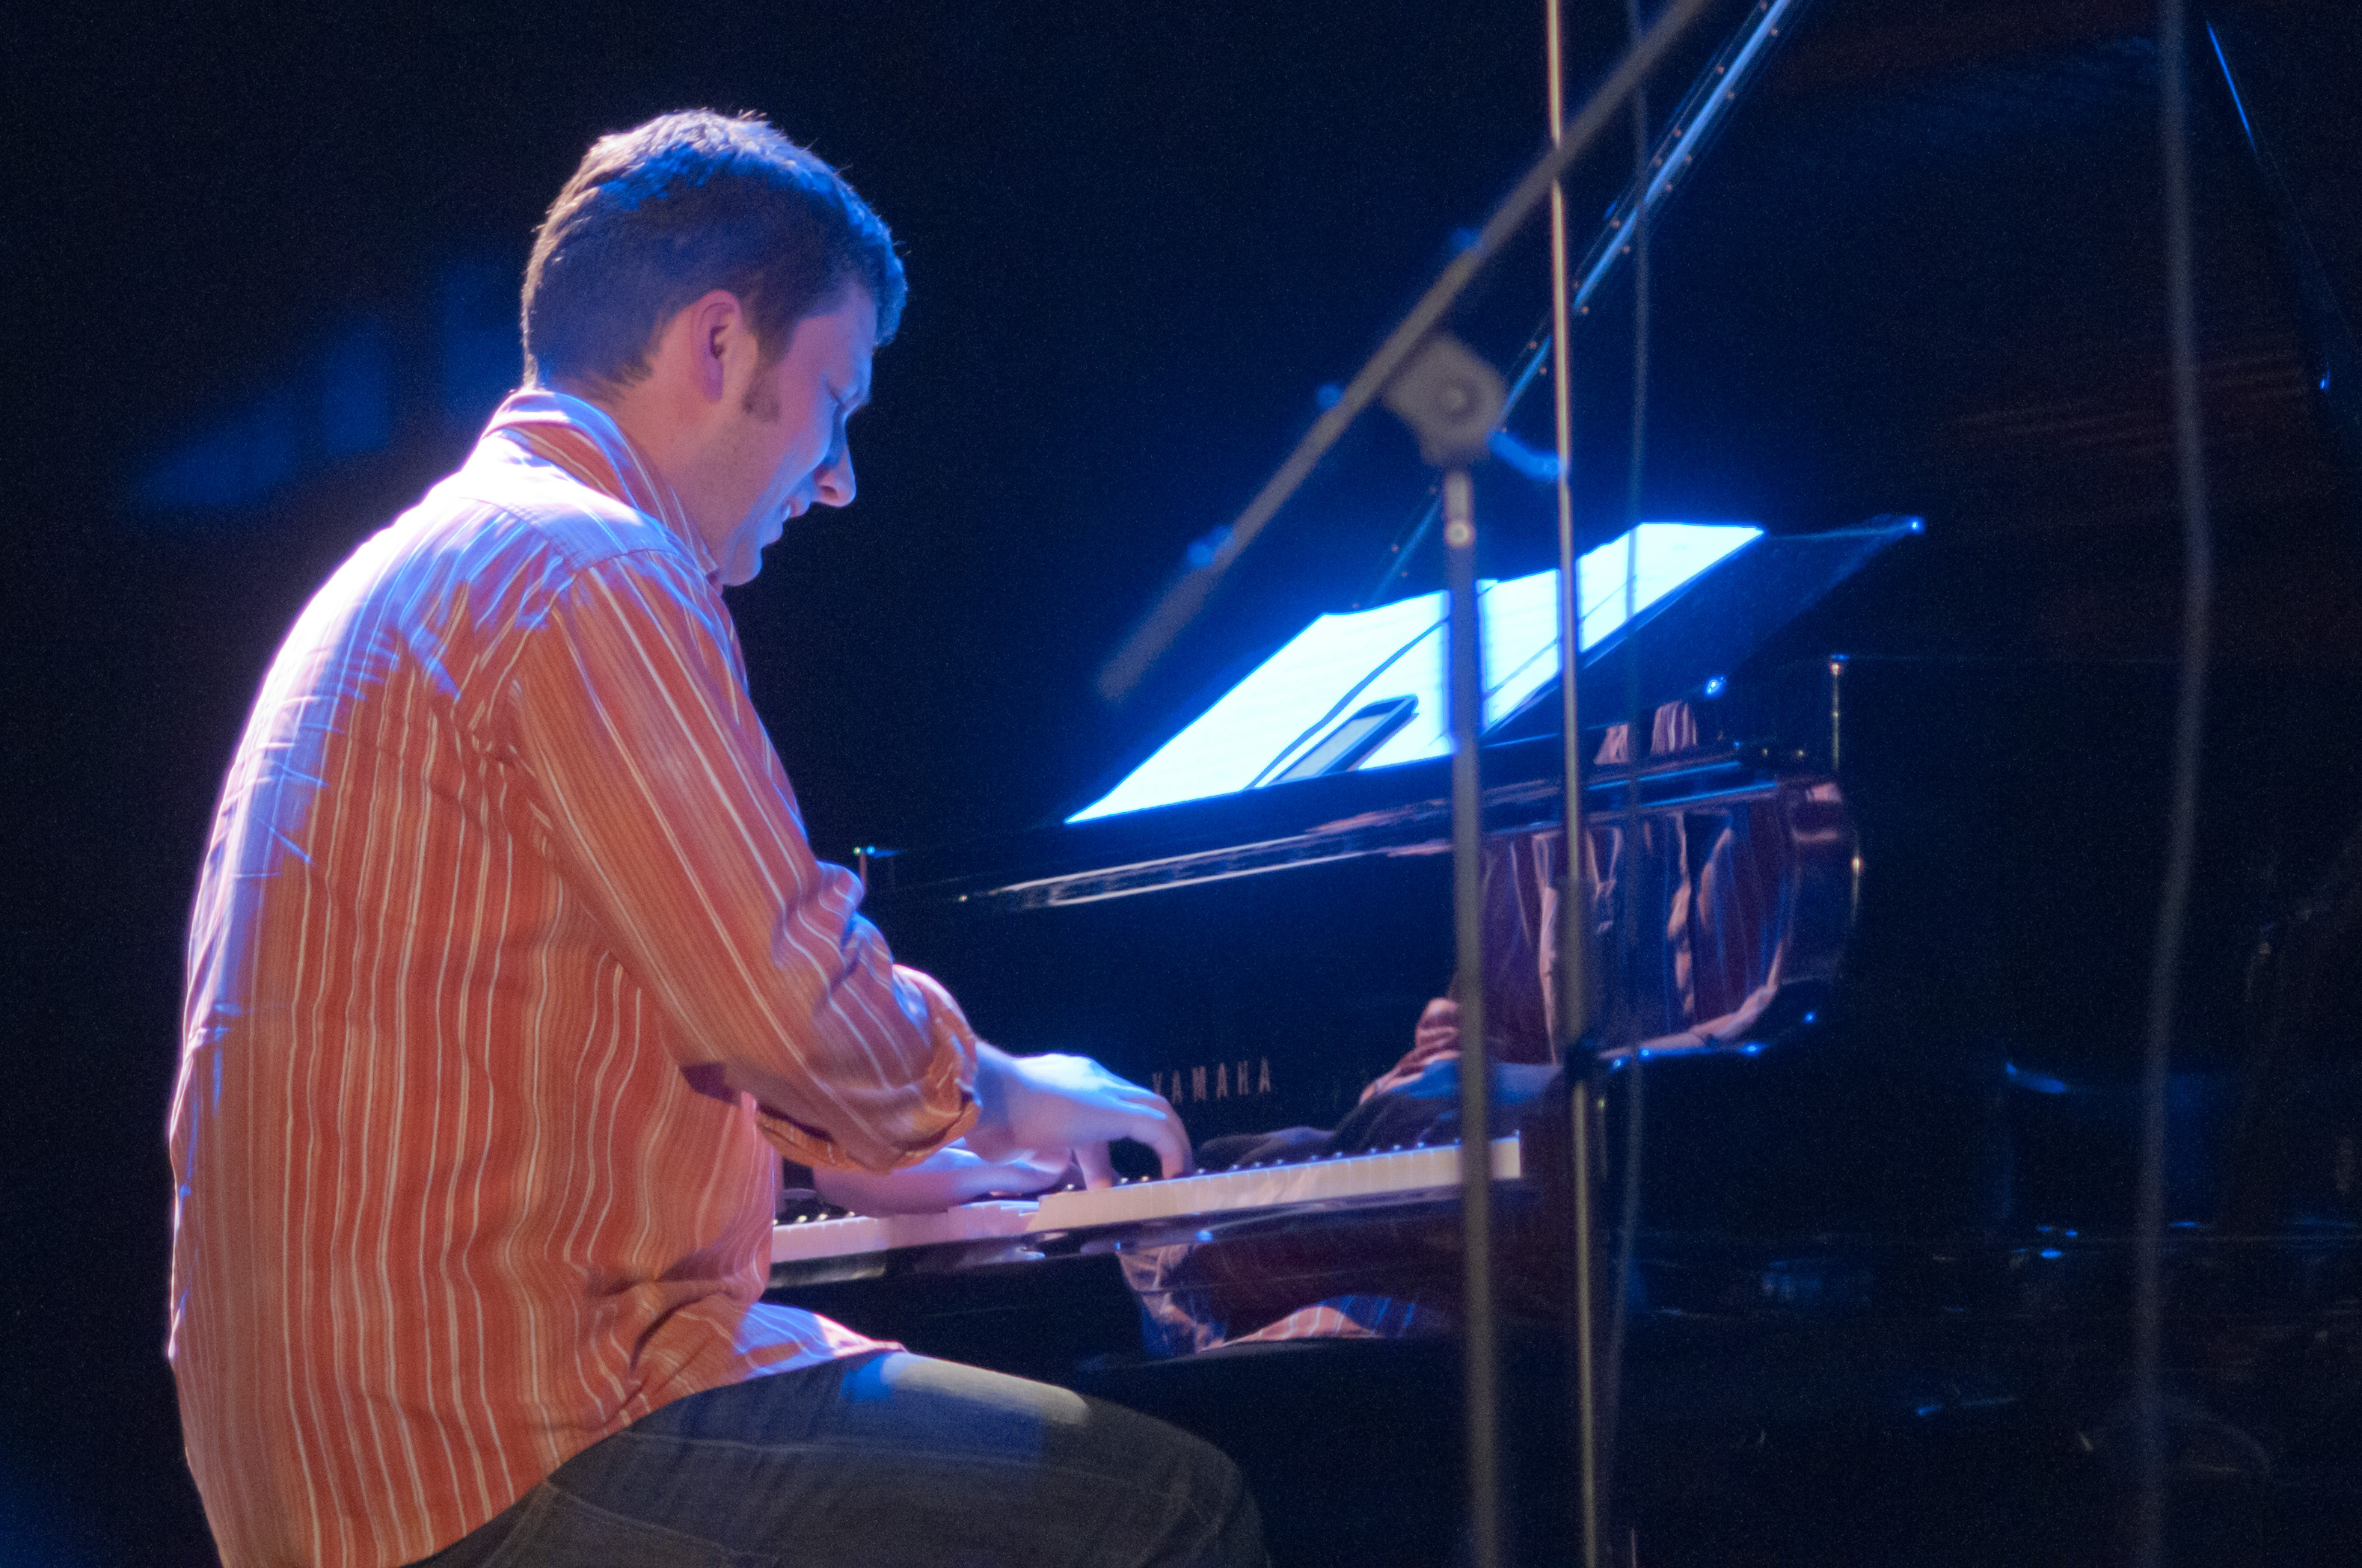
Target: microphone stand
<point x="1451" y="399"/>
<point x="1467" y="704"/>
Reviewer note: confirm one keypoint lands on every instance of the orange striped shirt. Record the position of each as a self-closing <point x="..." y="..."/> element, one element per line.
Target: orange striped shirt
<point x="511" y="975"/>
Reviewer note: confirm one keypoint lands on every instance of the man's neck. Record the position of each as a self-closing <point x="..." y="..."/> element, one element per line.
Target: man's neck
<point x="665" y="442"/>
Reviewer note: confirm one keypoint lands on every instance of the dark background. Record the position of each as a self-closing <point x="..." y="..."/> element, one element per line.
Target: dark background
<point x="261" y="266"/>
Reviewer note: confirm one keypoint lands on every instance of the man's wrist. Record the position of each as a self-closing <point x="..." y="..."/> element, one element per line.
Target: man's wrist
<point x="989" y="1135"/>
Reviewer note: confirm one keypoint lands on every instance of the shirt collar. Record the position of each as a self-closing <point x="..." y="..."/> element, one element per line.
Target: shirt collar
<point x="584" y="440"/>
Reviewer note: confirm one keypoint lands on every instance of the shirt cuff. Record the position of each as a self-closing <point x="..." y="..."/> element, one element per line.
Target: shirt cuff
<point x="946" y="1092"/>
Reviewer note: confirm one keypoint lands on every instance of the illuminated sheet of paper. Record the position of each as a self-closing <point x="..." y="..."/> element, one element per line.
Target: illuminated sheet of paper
<point x="1341" y="664"/>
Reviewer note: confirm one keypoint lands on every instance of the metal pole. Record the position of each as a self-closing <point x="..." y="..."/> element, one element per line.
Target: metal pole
<point x="2190" y="710"/>
<point x="1467" y="702"/>
<point x="1575" y="920"/>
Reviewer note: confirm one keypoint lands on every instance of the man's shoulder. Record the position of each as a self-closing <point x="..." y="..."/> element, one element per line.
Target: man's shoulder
<point x="537" y="504"/>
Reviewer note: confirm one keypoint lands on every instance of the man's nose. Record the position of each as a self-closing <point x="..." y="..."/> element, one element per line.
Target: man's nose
<point x="834" y="485"/>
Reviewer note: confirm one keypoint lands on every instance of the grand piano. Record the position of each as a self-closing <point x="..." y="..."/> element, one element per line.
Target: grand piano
<point x="1873" y="828"/>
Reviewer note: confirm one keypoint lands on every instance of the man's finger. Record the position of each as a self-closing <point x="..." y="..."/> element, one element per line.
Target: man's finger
<point x="1161" y="1130"/>
<point x="1097" y="1171"/>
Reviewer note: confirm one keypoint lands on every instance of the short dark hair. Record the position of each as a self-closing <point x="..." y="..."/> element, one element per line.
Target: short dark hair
<point x="658" y="215"/>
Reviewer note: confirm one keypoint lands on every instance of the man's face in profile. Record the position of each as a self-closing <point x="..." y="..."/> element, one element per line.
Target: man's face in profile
<point x="786" y="449"/>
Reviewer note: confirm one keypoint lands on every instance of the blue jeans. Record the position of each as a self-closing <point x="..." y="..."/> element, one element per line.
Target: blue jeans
<point x="880" y="1461"/>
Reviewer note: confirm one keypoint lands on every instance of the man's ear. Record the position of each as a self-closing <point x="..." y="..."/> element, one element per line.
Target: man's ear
<point x="719" y="334"/>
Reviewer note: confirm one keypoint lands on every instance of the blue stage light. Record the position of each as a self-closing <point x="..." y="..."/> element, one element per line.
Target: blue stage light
<point x="1541" y="467"/>
<point x="356" y="391"/>
<point x="2238" y="101"/>
<point x="1203" y="549"/>
<point x="477" y="339"/>
<point x="2040" y="1082"/>
<point x="342" y="406"/>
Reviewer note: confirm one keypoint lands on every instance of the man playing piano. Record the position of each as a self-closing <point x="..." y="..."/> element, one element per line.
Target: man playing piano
<point x="511" y="976"/>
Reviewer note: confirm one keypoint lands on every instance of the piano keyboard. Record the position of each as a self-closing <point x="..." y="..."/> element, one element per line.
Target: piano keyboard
<point x="1402" y="1174"/>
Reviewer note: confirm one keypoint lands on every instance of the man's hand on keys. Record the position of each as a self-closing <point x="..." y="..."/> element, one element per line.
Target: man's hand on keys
<point x="1037" y="1109"/>
<point x="1041" y="1120"/>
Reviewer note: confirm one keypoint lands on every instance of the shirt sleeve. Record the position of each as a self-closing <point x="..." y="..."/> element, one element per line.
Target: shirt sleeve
<point x="671" y="813"/>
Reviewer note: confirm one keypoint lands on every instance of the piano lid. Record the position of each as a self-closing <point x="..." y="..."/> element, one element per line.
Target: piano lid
<point x="1365" y="690"/>
<point x="1353" y="693"/>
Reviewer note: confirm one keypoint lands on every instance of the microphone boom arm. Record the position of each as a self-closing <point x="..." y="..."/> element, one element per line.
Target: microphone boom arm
<point x="1147" y="643"/>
